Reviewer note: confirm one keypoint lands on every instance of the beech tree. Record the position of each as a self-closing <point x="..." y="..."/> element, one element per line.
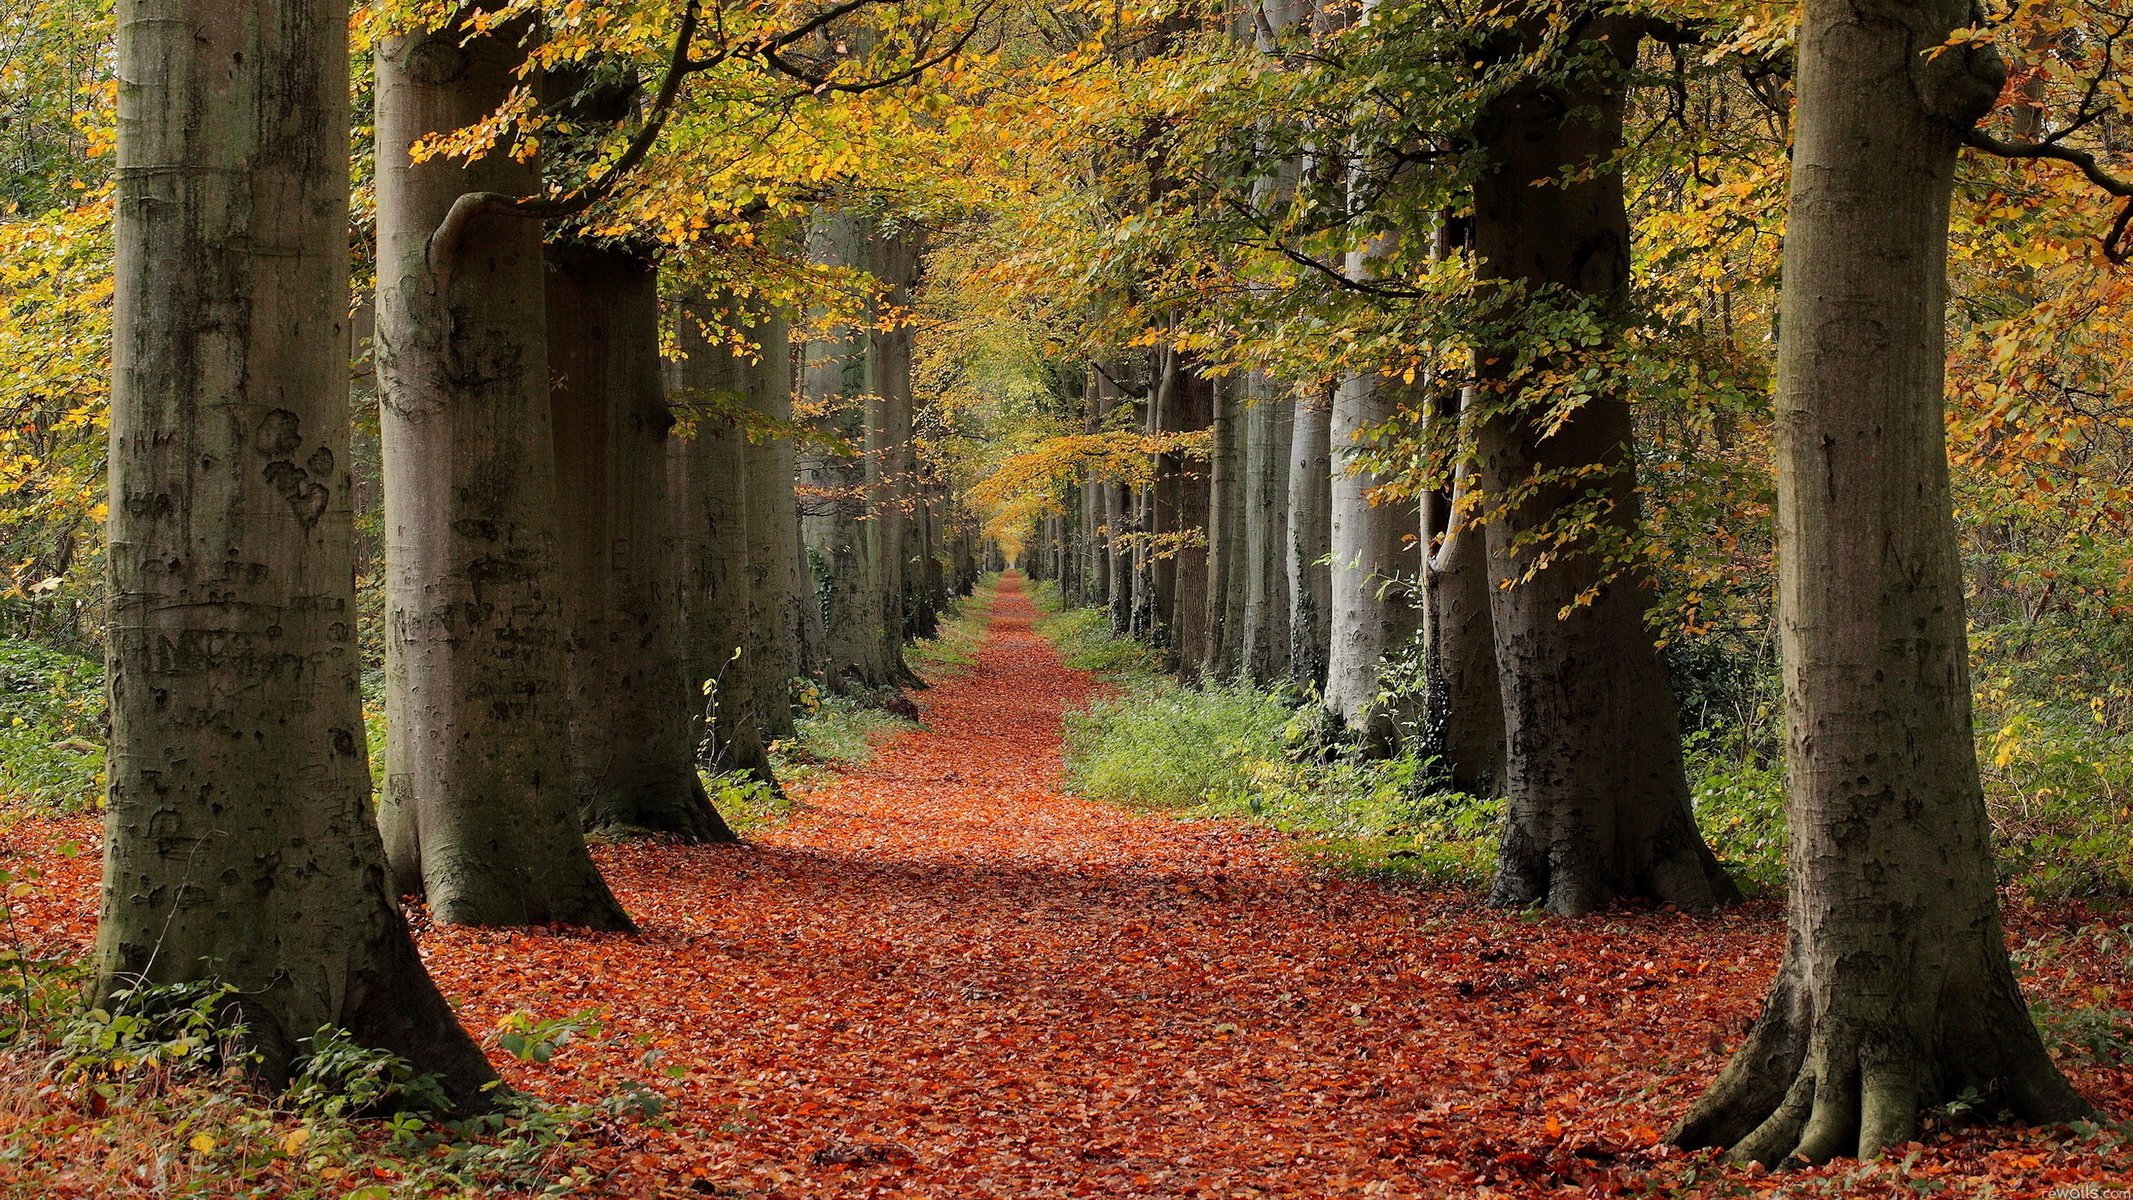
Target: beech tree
<point x="633" y="768"/>
<point x="1895" y="993"/>
<point x="477" y="812"/>
<point x="1598" y="801"/>
<point x="1310" y="538"/>
<point x="713" y="381"/>
<point x="239" y="847"/>
<point x="776" y="592"/>
<point x="838" y="520"/>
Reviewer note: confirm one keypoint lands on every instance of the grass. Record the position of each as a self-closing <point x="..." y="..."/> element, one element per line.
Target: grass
<point x="962" y="632"/>
<point x="1235" y="751"/>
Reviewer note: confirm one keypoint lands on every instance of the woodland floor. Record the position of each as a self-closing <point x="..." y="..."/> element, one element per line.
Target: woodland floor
<point x="946" y="978"/>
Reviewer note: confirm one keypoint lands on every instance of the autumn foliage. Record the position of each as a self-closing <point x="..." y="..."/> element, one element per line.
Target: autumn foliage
<point x="945" y="977"/>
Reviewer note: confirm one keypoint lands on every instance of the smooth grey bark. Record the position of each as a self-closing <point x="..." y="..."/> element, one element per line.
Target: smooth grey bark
<point x="777" y="597"/>
<point x="837" y="521"/>
<point x="1597" y="801"/>
<point x="1895" y="993"/>
<point x="1263" y="650"/>
<point x="1375" y="562"/>
<point x="712" y="383"/>
<point x="632" y="760"/>
<point x="1310" y="539"/>
<point x="238" y="840"/>
<point x="477" y="811"/>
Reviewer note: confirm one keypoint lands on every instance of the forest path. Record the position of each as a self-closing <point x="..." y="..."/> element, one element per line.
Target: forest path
<point x="947" y="978"/>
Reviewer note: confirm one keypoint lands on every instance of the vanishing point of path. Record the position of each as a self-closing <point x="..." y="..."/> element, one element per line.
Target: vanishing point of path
<point x="946" y="978"/>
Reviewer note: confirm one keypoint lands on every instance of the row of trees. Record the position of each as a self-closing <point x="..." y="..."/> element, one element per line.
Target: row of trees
<point x="1463" y="492"/>
<point x="604" y="571"/>
<point x="1347" y="306"/>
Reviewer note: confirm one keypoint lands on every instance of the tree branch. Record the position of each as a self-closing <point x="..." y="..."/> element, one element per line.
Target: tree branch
<point x="2115" y="245"/>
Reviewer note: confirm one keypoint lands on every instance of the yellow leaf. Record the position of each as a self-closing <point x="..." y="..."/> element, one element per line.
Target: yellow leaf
<point x="202" y="1144"/>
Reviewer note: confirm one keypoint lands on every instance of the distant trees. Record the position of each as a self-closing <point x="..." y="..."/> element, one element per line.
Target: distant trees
<point x="239" y="846"/>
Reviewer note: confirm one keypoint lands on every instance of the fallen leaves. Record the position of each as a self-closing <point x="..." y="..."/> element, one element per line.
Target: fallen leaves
<point x="944" y="978"/>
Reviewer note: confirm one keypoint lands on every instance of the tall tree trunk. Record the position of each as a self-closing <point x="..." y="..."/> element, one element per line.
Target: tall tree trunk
<point x="712" y="383"/>
<point x="776" y="591"/>
<point x="1264" y="649"/>
<point x="893" y="258"/>
<point x="633" y="766"/>
<point x="1465" y="701"/>
<point x="1598" y="805"/>
<point x="1895" y="992"/>
<point x="837" y="522"/>
<point x="477" y="811"/>
<point x="1224" y="530"/>
<point x="238" y="839"/>
<point x="1184" y="404"/>
<point x="1375" y="562"/>
<point x="1310" y="539"/>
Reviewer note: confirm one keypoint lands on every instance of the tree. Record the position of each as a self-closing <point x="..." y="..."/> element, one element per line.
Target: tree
<point x="1310" y="538"/>
<point x="477" y="811"/>
<point x="1598" y="800"/>
<point x="776" y="593"/>
<point x="1465" y="699"/>
<point x="1263" y="650"/>
<point x="838" y="517"/>
<point x="633" y="768"/>
<point x="714" y="381"/>
<point x="1895" y="992"/>
<point x="239" y="846"/>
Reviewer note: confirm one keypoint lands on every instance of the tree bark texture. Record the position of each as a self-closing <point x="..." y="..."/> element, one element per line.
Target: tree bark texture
<point x="1264" y="648"/>
<point x="1465" y="699"/>
<point x="838" y="521"/>
<point x="893" y="257"/>
<point x="1310" y="540"/>
<point x="777" y="595"/>
<point x="239" y="844"/>
<point x="1184" y="404"/>
<point x="1598" y="805"/>
<point x="632" y="760"/>
<point x="712" y="383"/>
<point x="477" y="812"/>
<point x="1895" y="992"/>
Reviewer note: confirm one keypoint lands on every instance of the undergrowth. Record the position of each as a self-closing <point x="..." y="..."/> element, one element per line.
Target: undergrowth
<point x="51" y="730"/>
<point x="150" y="1097"/>
<point x="2060" y="790"/>
<point x="954" y="649"/>
<point x="1233" y="750"/>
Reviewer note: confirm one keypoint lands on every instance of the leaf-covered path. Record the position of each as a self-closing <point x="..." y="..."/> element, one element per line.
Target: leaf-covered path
<point x="946" y="978"/>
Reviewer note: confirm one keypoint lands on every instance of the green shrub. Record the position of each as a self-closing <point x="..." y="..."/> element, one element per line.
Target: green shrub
<point x="1224" y="751"/>
<point x="1740" y="806"/>
<point x="1173" y="747"/>
<point x="51" y="729"/>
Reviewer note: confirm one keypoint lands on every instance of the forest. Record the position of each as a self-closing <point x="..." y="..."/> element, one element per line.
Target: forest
<point x="970" y="598"/>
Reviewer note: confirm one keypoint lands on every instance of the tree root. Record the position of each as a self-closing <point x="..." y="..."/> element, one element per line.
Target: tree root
<point x="1799" y="1091"/>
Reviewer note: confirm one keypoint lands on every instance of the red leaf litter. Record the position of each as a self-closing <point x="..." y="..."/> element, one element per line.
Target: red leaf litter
<point x="946" y="978"/>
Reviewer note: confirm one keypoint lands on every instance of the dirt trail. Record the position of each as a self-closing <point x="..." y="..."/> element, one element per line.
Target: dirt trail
<point x="946" y="978"/>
